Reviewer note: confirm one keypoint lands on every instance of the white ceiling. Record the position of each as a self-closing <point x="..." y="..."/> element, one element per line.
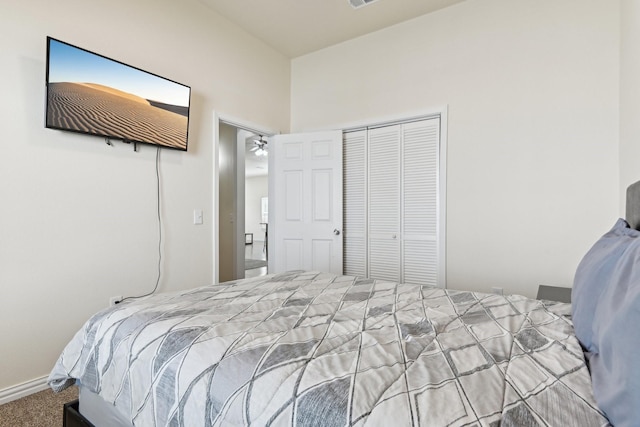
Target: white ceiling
<point x="298" y="27"/>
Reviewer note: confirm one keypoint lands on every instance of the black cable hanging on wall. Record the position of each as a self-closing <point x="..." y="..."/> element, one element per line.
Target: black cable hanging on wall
<point x="158" y="200"/>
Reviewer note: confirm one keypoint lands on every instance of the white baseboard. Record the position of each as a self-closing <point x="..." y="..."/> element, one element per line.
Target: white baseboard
<point x="22" y="390"/>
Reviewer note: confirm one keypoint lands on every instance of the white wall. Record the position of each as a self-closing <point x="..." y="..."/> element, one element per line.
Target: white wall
<point x="532" y="92"/>
<point x="629" y="95"/>
<point x="77" y="218"/>
<point x="256" y="188"/>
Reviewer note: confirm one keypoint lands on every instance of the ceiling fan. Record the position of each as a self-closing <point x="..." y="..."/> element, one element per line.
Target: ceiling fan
<point x="261" y="147"/>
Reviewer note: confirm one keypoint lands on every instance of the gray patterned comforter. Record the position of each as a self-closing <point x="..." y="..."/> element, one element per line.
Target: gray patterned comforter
<point x="313" y="349"/>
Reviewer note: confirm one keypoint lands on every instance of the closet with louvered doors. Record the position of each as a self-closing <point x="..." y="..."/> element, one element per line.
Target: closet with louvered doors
<point x="391" y="202"/>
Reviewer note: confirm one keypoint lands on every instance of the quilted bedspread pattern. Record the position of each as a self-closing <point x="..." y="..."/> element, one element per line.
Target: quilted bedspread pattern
<point x="314" y="349"/>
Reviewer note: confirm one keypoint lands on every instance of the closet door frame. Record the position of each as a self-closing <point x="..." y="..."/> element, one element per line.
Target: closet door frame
<point x="441" y="172"/>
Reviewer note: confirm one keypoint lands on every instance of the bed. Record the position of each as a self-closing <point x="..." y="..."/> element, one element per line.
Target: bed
<point x="307" y="348"/>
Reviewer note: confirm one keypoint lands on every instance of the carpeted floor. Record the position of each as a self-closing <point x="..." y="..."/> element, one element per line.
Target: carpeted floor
<point x="42" y="409"/>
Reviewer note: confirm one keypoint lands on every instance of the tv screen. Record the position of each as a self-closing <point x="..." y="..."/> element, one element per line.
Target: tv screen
<point x="92" y="94"/>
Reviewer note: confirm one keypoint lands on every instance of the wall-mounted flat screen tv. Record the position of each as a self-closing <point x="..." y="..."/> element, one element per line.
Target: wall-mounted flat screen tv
<point x="92" y="94"/>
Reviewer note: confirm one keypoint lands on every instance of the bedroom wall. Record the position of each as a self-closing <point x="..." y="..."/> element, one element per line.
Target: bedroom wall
<point x="77" y="217"/>
<point x="629" y="96"/>
<point x="532" y="95"/>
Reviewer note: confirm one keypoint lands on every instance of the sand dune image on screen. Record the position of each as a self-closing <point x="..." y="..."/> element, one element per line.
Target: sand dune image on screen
<point x="103" y="110"/>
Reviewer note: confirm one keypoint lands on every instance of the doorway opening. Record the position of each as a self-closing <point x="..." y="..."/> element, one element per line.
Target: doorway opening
<point x="256" y="206"/>
<point x="242" y="192"/>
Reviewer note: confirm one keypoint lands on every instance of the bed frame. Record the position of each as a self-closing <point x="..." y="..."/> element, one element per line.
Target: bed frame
<point x="72" y="416"/>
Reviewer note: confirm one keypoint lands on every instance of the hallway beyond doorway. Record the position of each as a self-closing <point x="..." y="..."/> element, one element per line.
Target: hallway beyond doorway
<point x="255" y="252"/>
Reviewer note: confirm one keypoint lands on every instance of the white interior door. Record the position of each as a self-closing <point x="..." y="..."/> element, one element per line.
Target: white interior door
<point x="305" y="212"/>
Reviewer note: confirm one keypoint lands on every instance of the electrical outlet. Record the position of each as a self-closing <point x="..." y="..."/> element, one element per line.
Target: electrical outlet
<point x="114" y="300"/>
<point x="497" y="291"/>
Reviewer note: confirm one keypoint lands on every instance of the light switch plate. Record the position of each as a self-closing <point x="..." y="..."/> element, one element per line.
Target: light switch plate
<point x="197" y="216"/>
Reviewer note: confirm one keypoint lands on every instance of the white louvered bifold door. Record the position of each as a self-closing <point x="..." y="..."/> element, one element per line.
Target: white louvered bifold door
<point x="384" y="203"/>
<point x="355" y="203"/>
<point x="391" y="203"/>
<point x="419" y="201"/>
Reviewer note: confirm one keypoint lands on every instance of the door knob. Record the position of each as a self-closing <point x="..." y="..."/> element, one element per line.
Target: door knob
<point x="336" y="231"/>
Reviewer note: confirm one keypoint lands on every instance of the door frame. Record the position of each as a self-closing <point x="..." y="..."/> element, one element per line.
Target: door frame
<point x="240" y="124"/>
